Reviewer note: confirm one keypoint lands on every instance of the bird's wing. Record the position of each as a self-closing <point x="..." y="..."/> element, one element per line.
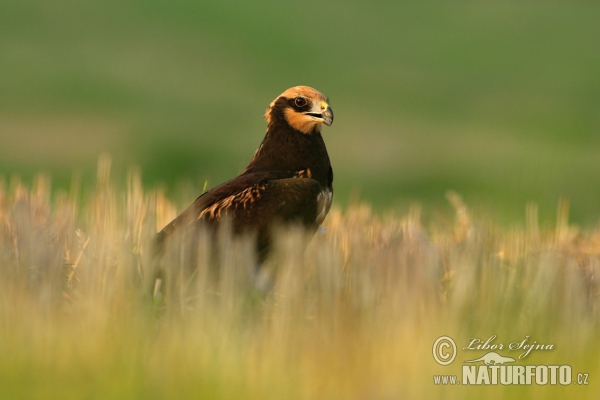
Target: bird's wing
<point x="269" y="202"/>
<point x="254" y="200"/>
<point x="278" y="200"/>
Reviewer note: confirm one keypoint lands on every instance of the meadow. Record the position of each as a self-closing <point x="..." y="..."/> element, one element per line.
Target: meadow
<point x="466" y="154"/>
<point x="495" y="100"/>
<point x="354" y="316"/>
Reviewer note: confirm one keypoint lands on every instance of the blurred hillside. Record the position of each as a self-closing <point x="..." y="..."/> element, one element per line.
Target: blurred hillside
<point x="498" y="101"/>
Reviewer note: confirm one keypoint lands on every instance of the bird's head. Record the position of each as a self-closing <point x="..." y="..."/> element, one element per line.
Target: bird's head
<point x="302" y="108"/>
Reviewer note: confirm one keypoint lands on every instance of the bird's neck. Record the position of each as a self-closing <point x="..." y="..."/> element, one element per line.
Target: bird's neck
<point x="286" y="149"/>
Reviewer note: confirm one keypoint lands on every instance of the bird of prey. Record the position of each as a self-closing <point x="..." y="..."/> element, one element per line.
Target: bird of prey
<point x="289" y="179"/>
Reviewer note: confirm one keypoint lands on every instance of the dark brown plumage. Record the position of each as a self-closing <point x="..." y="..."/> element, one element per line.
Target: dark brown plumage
<point x="289" y="179"/>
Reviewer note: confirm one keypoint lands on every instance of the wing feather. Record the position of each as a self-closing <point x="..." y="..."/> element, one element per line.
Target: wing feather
<point x="254" y="201"/>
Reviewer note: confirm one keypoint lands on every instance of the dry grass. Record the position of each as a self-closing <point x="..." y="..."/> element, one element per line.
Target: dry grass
<point x="352" y="317"/>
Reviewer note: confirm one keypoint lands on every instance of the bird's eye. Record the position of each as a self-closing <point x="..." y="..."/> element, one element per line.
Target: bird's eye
<point x="300" y="101"/>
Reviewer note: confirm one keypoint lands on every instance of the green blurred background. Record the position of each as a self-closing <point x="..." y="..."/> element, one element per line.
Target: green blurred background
<point x="497" y="100"/>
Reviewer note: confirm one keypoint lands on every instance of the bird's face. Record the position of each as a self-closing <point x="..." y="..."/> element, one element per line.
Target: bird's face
<point x="303" y="108"/>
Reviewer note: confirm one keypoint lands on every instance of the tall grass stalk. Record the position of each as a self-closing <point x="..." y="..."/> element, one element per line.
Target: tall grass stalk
<point x="353" y="316"/>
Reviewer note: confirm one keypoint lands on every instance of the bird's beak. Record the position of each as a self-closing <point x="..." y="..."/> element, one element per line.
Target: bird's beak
<point x="327" y="116"/>
<point x="323" y="113"/>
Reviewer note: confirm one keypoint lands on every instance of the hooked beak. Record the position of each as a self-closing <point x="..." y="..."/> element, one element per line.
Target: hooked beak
<point x="324" y="115"/>
<point x="327" y="116"/>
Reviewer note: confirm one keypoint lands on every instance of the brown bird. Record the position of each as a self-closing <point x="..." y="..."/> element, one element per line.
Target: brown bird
<point x="289" y="179"/>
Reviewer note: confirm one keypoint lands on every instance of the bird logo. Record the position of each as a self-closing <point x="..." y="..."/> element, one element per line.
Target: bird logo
<point x="492" y="358"/>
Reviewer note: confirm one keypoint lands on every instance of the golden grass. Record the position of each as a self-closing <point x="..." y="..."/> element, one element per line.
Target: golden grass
<point x="352" y="317"/>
